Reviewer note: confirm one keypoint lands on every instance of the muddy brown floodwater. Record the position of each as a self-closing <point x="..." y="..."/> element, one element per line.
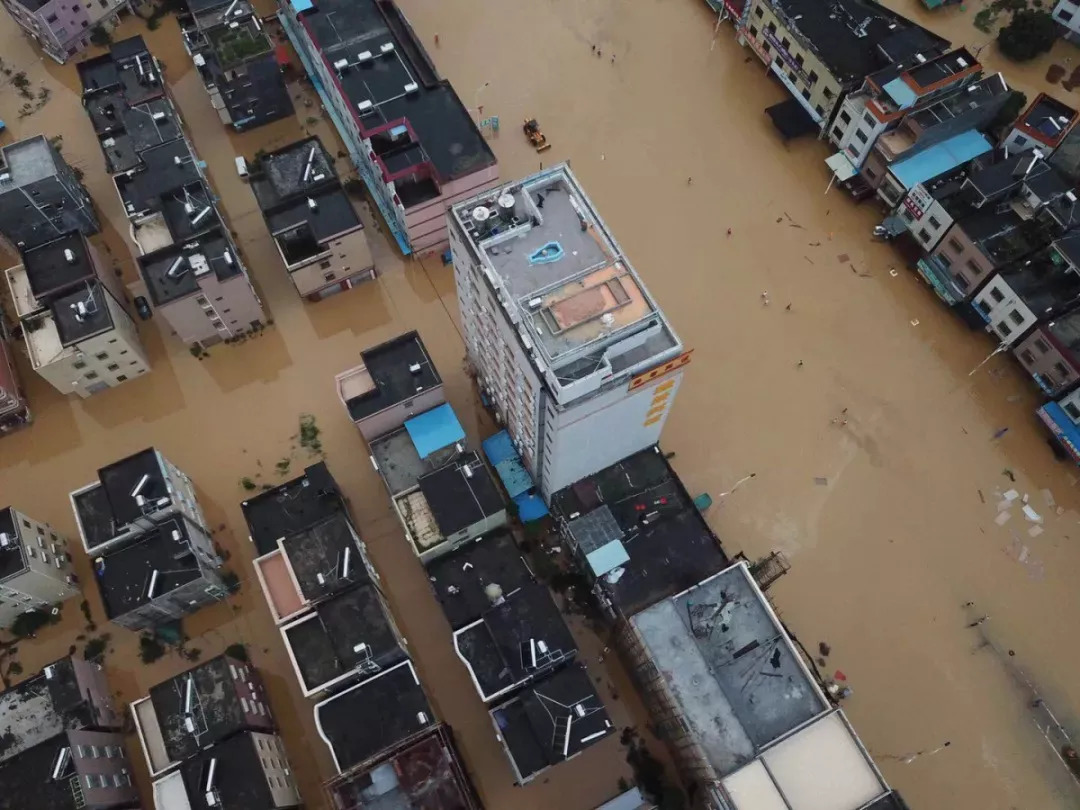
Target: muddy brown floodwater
<point x="884" y="554"/>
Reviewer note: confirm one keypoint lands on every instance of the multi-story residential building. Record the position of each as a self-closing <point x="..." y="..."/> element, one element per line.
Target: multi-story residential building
<point x="939" y="160"/>
<point x="820" y="53"/>
<point x="210" y="742"/>
<point x="64" y="743"/>
<point x="635" y="532"/>
<point x="193" y="273"/>
<point x="14" y="408"/>
<point x="423" y="771"/>
<point x="248" y="770"/>
<point x="41" y="197"/>
<point x="35" y="566"/>
<point x="395" y="381"/>
<point x="885" y="98"/>
<point x="1067" y="13"/>
<point x="1044" y="125"/>
<point x="154" y="559"/>
<point x="318" y="233"/>
<point x="79" y="333"/>
<point x="1032" y="291"/>
<point x="414" y="144"/>
<point x="64" y="29"/>
<point x="321" y="587"/>
<point x="1062" y="420"/>
<point x="577" y="359"/>
<point x="236" y="61"/>
<point x="697" y="656"/>
<point x="1051" y="354"/>
<point x="939" y="136"/>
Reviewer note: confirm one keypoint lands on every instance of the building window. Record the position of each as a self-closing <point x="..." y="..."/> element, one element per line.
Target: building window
<point x="845" y="119"/>
<point x="324" y="265"/>
<point x="753" y="32"/>
<point x="934" y="223"/>
<point x="853" y="150"/>
<point x="102" y="355"/>
<point x="828" y="93"/>
<point x="945" y="260"/>
<point x="962" y="283"/>
<point x="806" y="94"/>
<point x="974" y="268"/>
<point x="820" y="110"/>
<point x="51" y="19"/>
<point x="79" y="365"/>
<point x="870" y="173"/>
<point x="799" y="59"/>
<point x="1041" y="345"/>
<point x="113" y="367"/>
<point x="91" y="375"/>
<point x="1020" y="140"/>
<point x="956" y="246"/>
<point x="812" y="78"/>
<point x="1072" y="410"/>
<point x="869" y="119"/>
<point x="765" y="46"/>
<point x="771" y="28"/>
<point x="861" y="136"/>
<point x="1027" y="357"/>
<point x="1004" y="329"/>
<point x="997" y="295"/>
<point x="836" y="131"/>
<point x="1064" y="15"/>
<point x="759" y="13"/>
<point x="785" y="43"/>
<point x="791" y="77"/>
<point x="1062" y="370"/>
<point x="924" y="234"/>
<point x="1017" y="318"/>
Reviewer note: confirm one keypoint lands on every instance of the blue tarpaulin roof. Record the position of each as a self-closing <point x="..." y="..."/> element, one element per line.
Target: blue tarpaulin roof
<point x="503" y="456"/>
<point x="899" y="92"/>
<point x="302" y="5"/>
<point x="435" y="429"/>
<point x="941" y="157"/>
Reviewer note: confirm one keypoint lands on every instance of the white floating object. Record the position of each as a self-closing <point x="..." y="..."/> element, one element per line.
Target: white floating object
<point x="914" y="321"/>
<point x="1002" y="518"/>
<point x="1011" y="495"/>
<point x="1035" y="531"/>
<point x="1032" y="515"/>
<point x="892" y="272"/>
<point x="1003" y="505"/>
<point x="1048" y="496"/>
<point x="1026" y="498"/>
<point x="1024" y="551"/>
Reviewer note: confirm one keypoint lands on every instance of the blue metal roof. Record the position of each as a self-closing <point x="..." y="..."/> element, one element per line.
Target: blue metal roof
<point x="900" y="93"/>
<point x="607" y="558"/>
<point x="302" y="5"/>
<point x="435" y="429"/>
<point x="503" y="456"/>
<point x="941" y="157"/>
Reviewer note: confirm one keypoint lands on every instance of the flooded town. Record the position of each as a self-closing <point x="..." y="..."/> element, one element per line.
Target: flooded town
<point x="529" y="405"/>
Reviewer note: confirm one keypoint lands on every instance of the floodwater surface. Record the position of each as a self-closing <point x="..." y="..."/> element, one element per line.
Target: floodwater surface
<point x="890" y="520"/>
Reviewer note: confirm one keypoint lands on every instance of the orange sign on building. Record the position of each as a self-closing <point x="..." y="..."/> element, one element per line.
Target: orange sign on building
<point x="659" y="371"/>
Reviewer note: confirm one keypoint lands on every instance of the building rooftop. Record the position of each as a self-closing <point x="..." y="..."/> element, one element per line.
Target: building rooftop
<point x="462" y="578"/>
<point x="215" y="709"/>
<point x="1047" y="284"/>
<point x="999" y="172"/>
<point x="552" y="721"/>
<point x="128" y="66"/>
<point x="163" y="169"/>
<point x="461" y="493"/>
<point x="238" y="779"/>
<point x="734" y="673"/>
<point x="380" y="713"/>
<point x="36" y="711"/>
<point x="28" y="161"/>
<point x="28" y="779"/>
<point x="425" y="775"/>
<point x="12" y="557"/>
<point x="350" y="633"/>
<point x="94" y="515"/>
<point x="325" y="558"/>
<point x="126" y="574"/>
<point x="124" y="486"/>
<point x="940" y="158"/>
<point x="58" y="265"/>
<point x="854" y="38"/>
<point x="391" y="376"/>
<point x="1047" y="120"/>
<point x="172" y="272"/>
<point x="1065" y="331"/>
<point x="396" y="80"/>
<point x="517" y="639"/>
<point x="564" y="277"/>
<point x="929" y="73"/>
<point x="292" y="507"/>
<point x="669" y="544"/>
<point x="82" y="313"/>
<point x="399" y="463"/>
<point x="962" y="102"/>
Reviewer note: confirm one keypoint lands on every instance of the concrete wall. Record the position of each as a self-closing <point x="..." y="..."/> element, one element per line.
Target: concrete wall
<point x="44" y="580"/>
<point x="1006" y="315"/>
<point x="856" y="136"/>
<point x="233" y="304"/>
<point x="928" y="228"/>
<point x="966" y="263"/>
<point x="347" y="257"/>
<point x="102" y="766"/>
<point x="1043" y="358"/>
<point x="14" y="412"/>
<point x="874" y="169"/>
<point x="389" y="419"/>
<point x="182" y="491"/>
<point x="275" y="767"/>
<point x="426" y="223"/>
<point x="95" y="688"/>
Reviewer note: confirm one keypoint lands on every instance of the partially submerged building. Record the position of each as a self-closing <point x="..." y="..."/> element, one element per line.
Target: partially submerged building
<point x="928" y="164"/>
<point x="424" y="773"/>
<point x="194" y="275"/>
<point x="1044" y="125"/>
<point x="154" y="559"/>
<point x="1051" y="354"/>
<point x="237" y="62"/>
<point x="14" y="407"/>
<point x="64" y="743"/>
<point x="746" y="722"/>
<point x="551" y="722"/>
<point x="65" y="29"/>
<point x="635" y="532"/>
<point x="79" y="333"/>
<point x="394" y="382"/>
<point x="322" y="589"/>
<point x="35" y="566"/>
<point x="33" y="169"/>
<point x="318" y="233"/>
<point x="415" y="145"/>
<point x="576" y="357"/>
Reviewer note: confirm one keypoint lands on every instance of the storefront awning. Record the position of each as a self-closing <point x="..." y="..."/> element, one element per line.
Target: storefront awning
<point x="841" y="166"/>
<point x="791" y="119"/>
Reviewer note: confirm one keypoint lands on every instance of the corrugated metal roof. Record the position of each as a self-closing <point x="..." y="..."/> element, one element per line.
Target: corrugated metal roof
<point x="941" y="157"/>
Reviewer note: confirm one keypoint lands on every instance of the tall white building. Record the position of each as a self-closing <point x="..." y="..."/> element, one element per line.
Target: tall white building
<point x="35" y="566"/>
<point x="580" y="363"/>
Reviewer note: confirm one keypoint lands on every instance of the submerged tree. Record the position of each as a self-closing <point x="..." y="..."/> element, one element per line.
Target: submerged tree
<point x="1029" y="33"/>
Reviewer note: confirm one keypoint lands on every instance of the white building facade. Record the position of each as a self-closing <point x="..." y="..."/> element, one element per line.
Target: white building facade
<point x="581" y="365"/>
<point x="35" y="567"/>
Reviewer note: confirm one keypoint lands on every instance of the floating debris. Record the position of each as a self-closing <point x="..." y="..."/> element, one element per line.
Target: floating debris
<point x="981" y="496"/>
<point x="1011" y="495"/>
<point x="914" y="321"/>
<point x="824" y="648"/>
<point x="1035" y="531"/>
<point x="1009" y="474"/>
<point x="1048" y="497"/>
<point x="892" y="272"/>
<point x="821" y="482"/>
<point x="1002" y="518"/>
<point x="1031" y="514"/>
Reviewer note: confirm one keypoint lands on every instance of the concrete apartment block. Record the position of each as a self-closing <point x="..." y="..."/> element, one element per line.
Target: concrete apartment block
<point x="35" y="566"/>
